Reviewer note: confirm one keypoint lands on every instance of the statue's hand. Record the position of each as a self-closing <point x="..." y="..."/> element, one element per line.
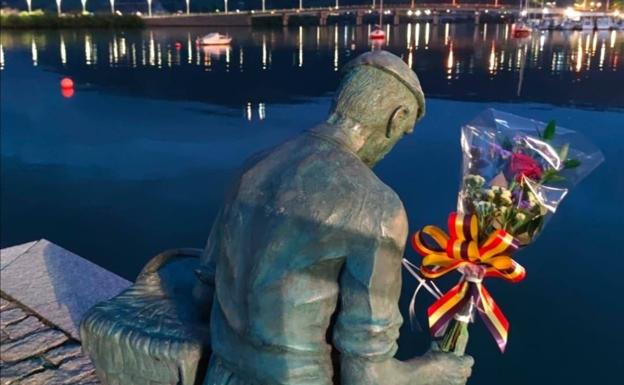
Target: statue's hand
<point x="439" y="368"/>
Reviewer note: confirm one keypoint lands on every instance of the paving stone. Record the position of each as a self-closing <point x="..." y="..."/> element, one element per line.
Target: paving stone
<point x="10" y="316"/>
<point x="42" y="378"/>
<point x="5" y="304"/>
<point x="24" y="327"/>
<point x="10" y="254"/>
<point x="78" y="367"/>
<point x="63" y="353"/>
<point x="31" y="345"/>
<point x="78" y="371"/>
<point x="12" y="373"/>
<point x="58" y="285"/>
<point x="90" y="379"/>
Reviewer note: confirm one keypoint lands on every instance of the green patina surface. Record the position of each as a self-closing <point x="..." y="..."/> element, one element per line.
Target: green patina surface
<point x="300" y="279"/>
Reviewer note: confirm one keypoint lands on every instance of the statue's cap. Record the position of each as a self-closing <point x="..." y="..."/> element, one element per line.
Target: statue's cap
<point x="396" y="67"/>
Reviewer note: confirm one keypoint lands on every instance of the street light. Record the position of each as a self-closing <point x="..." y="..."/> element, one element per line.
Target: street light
<point x="58" y="7"/>
<point x="337" y="5"/>
<point x="29" y="4"/>
<point x="84" y="6"/>
<point x="263" y="6"/>
<point x="112" y="4"/>
<point x="300" y="4"/>
<point x="188" y="7"/>
<point x="149" y="7"/>
<point x="225" y="3"/>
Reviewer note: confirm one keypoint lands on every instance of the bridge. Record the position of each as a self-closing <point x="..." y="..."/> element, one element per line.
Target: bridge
<point x="393" y="14"/>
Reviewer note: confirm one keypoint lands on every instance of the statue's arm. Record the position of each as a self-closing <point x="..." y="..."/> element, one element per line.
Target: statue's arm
<point x="369" y="320"/>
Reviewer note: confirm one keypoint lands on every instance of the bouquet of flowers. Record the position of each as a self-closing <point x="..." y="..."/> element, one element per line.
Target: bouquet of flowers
<point x="516" y="172"/>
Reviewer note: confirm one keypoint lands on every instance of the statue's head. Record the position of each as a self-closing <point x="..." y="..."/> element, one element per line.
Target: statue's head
<point x="382" y="95"/>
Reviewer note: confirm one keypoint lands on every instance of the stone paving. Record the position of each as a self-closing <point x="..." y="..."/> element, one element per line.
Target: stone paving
<point x="33" y="352"/>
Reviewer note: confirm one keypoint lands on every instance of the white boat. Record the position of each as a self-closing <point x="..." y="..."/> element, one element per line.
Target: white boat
<point x="605" y="23"/>
<point x="569" y="25"/>
<point x="587" y="24"/>
<point x="214" y="38"/>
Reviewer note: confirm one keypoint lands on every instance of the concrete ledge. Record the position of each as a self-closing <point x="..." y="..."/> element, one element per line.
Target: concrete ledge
<point x="55" y="284"/>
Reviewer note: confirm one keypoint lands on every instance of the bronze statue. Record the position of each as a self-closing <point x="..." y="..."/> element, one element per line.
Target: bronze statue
<point x="305" y="257"/>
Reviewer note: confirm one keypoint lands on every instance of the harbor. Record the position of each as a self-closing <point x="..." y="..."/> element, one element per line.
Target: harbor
<point x="120" y="141"/>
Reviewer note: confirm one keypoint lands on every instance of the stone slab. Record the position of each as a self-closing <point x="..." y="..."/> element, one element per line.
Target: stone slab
<point x="10" y="254"/>
<point x="56" y="284"/>
<point x="23" y="328"/>
<point x="63" y="353"/>
<point x="13" y="373"/>
<point x="6" y="305"/>
<point x="32" y="345"/>
<point x="11" y="316"/>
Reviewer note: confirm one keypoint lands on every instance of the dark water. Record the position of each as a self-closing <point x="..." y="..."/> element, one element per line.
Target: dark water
<point x="136" y="161"/>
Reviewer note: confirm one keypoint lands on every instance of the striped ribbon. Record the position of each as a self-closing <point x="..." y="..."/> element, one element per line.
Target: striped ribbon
<point x="460" y="249"/>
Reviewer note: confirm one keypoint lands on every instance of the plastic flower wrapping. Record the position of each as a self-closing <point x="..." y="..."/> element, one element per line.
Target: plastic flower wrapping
<point x="516" y="172"/>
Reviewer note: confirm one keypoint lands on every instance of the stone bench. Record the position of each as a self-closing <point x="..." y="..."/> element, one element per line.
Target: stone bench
<point x="152" y="333"/>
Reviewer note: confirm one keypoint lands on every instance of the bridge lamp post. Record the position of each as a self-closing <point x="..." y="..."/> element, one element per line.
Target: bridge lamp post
<point x="263" y="5"/>
<point x="188" y="7"/>
<point x="149" y="7"/>
<point x="337" y="5"/>
<point x="58" y="7"/>
<point x="84" y="6"/>
<point x="225" y="5"/>
<point x="112" y="4"/>
<point x="300" y="4"/>
<point x="29" y="5"/>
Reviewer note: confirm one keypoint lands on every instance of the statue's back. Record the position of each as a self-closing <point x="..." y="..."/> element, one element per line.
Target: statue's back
<point x="282" y="238"/>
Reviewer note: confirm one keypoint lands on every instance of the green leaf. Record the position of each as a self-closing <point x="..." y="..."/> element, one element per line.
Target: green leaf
<point x="507" y="144"/>
<point x="535" y="225"/>
<point x="549" y="131"/>
<point x="563" y="152"/>
<point x="571" y="163"/>
<point x="551" y="176"/>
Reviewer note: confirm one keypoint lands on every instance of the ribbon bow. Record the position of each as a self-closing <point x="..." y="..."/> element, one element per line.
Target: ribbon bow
<point x="461" y="251"/>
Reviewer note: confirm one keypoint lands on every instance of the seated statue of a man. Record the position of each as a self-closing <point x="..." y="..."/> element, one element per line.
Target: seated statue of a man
<point x="305" y="254"/>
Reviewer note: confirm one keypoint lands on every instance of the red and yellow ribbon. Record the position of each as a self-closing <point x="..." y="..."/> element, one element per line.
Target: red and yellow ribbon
<point x="460" y="249"/>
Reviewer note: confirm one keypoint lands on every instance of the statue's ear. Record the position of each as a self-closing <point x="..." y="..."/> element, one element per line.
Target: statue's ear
<point x="396" y="121"/>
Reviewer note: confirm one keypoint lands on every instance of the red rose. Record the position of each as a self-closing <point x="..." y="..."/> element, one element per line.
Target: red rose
<point x="522" y="164"/>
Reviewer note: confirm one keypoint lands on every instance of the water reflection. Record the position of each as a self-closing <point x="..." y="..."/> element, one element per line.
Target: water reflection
<point x="453" y="60"/>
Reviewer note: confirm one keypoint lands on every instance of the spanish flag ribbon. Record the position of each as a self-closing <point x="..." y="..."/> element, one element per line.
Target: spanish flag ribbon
<point x="460" y="249"/>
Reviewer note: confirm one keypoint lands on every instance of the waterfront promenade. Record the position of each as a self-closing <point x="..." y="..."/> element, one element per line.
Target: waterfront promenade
<point x="45" y="291"/>
<point x="359" y="14"/>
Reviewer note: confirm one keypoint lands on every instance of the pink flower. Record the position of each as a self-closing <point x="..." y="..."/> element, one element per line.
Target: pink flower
<point x="522" y="164"/>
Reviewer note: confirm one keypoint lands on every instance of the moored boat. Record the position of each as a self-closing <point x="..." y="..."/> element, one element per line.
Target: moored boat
<point x="587" y="24"/>
<point x="603" y="23"/>
<point x="377" y="34"/>
<point x="521" y="30"/>
<point x="214" y="38"/>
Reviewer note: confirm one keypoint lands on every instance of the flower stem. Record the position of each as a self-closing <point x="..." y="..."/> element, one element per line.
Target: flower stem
<point x="455" y="339"/>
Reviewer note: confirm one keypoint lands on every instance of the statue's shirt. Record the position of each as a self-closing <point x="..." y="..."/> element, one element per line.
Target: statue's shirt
<point x="306" y="231"/>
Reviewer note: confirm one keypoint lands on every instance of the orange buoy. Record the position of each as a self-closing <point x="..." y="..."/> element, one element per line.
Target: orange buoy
<point x="67" y="92"/>
<point x="67" y="83"/>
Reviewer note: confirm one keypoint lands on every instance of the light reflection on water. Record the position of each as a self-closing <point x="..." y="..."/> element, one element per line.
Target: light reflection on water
<point x="569" y="51"/>
<point x="453" y="60"/>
